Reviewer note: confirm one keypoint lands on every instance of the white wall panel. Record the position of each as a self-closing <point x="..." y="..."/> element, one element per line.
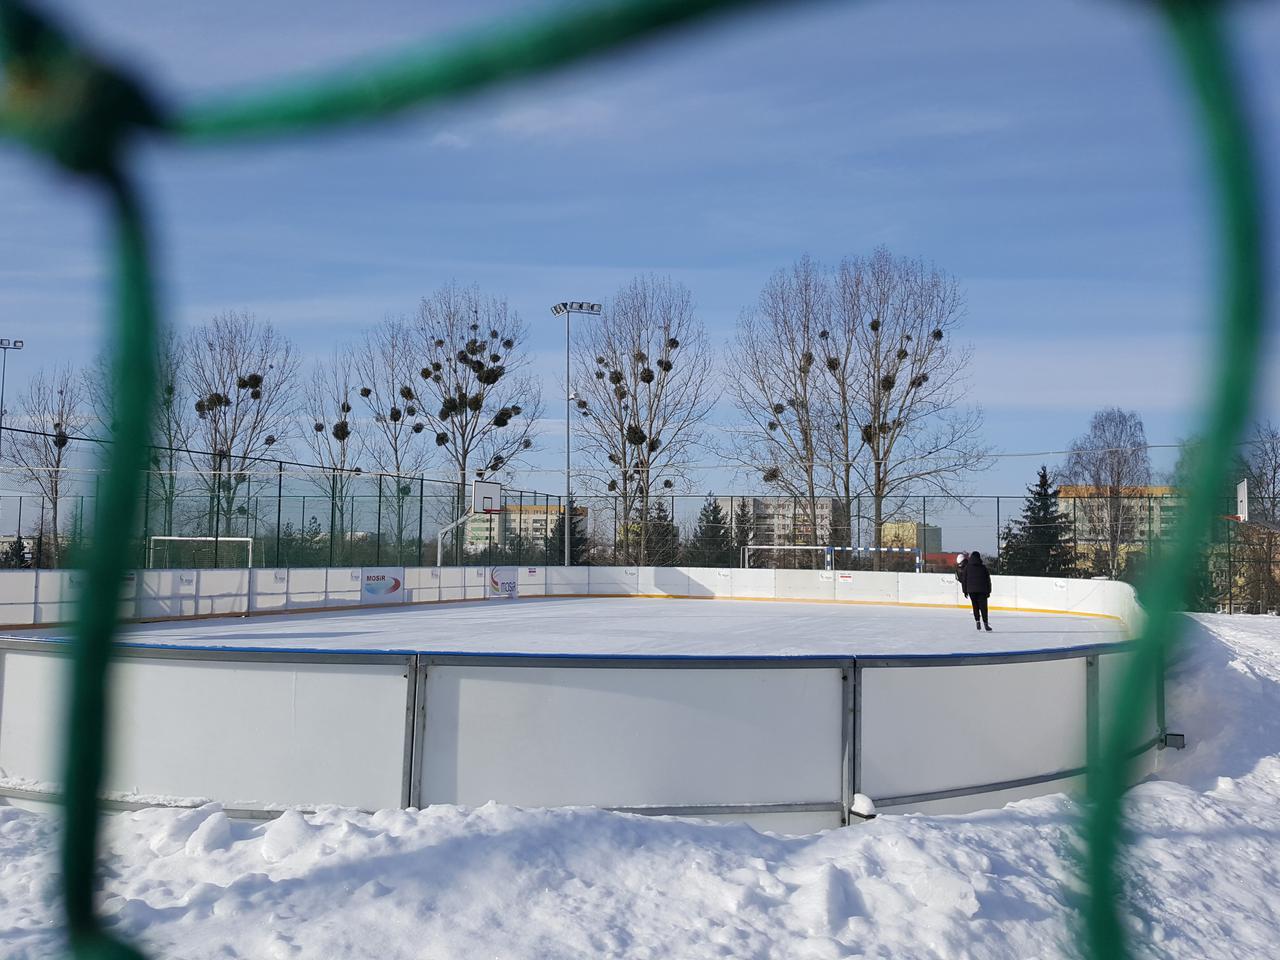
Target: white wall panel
<point x="627" y="737"/>
<point x="622" y="581"/>
<point x="710" y="581"/>
<point x="866" y="586"/>
<point x="1004" y="592"/>
<point x="31" y="703"/>
<point x="804" y="584"/>
<point x="17" y="586"/>
<point x="752" y="584"/>
<point x="475" y="583"/>
<point x="269" y="589"/>
<point x="1113" y="669"/>
<point x="422" y="584"/>
<point x="1042" y="593"/>
<point x="306" y="587"/>
<point x="938" y="728"/>
<point x="939" y="589"/>
<point x="298" y="733"/>
<point x="164" y="608"/>
<point x="342" y="586"/>
<point x="17" y="614"/>
<point x="663" y="581"/>
<point x="532" y="581"/>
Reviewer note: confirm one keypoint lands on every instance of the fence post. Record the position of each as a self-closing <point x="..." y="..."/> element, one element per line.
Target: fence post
<point x="997" y="534"/>
<point x="377" y="545"/>
<point x="146" y="521"/>
<point x="1231" y="579"/>
<point x="422" y="495"/>
<point x="279" y="504"/>
<point x="333" y="509"/>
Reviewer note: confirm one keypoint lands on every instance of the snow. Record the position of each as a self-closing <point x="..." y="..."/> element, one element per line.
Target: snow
<point x="614" y="626"/>
<point x="571" y="882"/>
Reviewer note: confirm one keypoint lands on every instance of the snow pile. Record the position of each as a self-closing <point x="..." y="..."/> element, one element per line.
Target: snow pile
<point x="511" y="883"/>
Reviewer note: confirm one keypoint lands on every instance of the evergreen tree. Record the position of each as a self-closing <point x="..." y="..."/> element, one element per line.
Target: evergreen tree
<point x="579" y="543"/>
<point x="14" y="556"/>
<point x="744" y="527"/>
<point x="712" y="542"/>
<point x="1039" y="543"/>
<point x="662" y="537"/>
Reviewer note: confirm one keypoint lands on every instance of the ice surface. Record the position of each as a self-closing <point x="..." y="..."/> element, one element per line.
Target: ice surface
<point x="640" y="626"/>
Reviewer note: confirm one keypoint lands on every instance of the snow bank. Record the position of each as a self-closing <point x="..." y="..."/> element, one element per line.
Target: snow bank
<point x="559" y="883"/>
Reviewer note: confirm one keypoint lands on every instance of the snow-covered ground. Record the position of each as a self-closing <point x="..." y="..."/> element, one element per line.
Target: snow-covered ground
<point x="511" y="883"/>
<point x="665" y="627"/>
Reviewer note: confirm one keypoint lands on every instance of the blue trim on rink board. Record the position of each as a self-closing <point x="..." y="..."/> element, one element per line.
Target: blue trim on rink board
<point x="873" y="660"/>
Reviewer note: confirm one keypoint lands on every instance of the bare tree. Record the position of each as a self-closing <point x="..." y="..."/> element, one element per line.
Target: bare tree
<point x="776" y="382"/>
<point x="644" y="388"/>
<point x="389" y="374"/>
<point x="55" y="409"/>
<point x="1261" y="456"/>
<point x="1111" y="468"/>
<point x="905" y="376"/>
<point x="242" y="375"/>
<point x="174" y="425"/>
<point x="333" y="438"/>
<point x="851" y="382"/>
<point x="1262" y="466"/>
<point x="476" y="397"/>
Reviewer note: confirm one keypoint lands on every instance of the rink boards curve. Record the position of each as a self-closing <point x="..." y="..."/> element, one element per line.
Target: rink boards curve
<point x="772" y="712"/>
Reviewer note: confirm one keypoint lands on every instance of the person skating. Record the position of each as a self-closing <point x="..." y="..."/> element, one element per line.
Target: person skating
<point x="976" y="583"/>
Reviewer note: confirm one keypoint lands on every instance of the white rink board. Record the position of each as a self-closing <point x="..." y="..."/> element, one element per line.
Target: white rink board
<point x="247" y="734"/>
<point x="550" y="736"/>
<point x="30" y="705"/>
<point x="1112" y="670"/>
<point x="942" y="727"/>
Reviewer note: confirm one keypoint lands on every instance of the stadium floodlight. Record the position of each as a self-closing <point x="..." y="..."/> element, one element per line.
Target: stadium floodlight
<point x="567" y="309"/>
<point x="5" y="346"/>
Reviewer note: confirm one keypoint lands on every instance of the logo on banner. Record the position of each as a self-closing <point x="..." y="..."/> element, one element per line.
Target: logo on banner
<point x="503" y="583"/>
<point x="382" y="585"/>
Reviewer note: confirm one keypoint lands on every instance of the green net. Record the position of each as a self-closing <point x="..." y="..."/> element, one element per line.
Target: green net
<point x="83" y="113"/>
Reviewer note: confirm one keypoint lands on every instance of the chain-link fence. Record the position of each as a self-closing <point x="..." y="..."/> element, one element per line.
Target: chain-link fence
<point x="268" y="513"/>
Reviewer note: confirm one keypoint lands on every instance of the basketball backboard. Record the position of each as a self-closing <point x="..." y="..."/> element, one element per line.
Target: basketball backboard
<point x="486" y="496"/>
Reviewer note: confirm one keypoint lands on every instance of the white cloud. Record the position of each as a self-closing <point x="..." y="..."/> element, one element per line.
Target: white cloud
<point x="577" y="115"/>
<point x="449" y="140"/>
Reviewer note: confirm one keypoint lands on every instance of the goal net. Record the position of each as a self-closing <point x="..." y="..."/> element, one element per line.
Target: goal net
<point x="187" y="553"/>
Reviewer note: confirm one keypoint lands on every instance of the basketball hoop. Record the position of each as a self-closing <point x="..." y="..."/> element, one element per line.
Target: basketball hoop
<point x="486" y="496"/>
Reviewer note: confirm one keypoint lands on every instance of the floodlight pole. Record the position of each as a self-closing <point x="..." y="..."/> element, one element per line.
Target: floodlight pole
<point x="568" y="308"/>
<point x="5" y="346"/>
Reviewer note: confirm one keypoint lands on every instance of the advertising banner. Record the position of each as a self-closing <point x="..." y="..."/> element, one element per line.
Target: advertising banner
<point x="503" y="583"/>
<point x="382" y="585"/>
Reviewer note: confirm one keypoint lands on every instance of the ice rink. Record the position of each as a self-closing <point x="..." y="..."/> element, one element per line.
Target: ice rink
<point x="639" y="626"/>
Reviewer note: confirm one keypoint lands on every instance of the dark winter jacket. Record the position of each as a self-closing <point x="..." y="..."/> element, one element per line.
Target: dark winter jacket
<point x="977" y="578"/>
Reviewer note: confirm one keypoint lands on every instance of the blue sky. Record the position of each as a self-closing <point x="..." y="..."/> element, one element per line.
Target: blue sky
<point x="1040" y="152"/>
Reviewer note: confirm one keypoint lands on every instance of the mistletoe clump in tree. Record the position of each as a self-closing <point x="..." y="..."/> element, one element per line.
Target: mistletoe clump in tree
<point x="1039" y="543"/>
<point x="472" y="389"/>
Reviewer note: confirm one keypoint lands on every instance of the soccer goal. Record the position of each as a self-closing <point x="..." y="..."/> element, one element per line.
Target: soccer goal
<point x="828" y="553"/>
<point x="186" y="553"/>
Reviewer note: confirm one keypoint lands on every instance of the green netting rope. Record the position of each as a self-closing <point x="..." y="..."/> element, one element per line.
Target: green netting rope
<point x="1198" y="37"/>
<point x="82" y="112"/>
